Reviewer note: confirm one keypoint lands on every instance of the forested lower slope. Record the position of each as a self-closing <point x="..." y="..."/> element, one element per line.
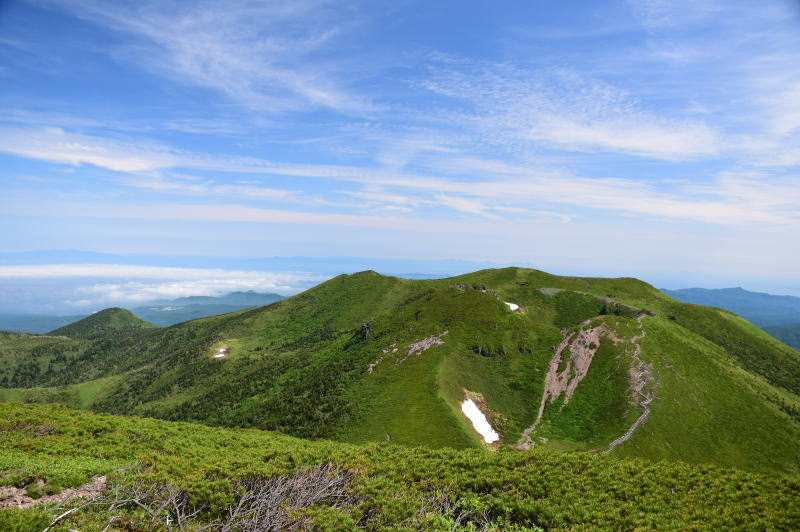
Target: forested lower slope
<point x="603" y="365"/>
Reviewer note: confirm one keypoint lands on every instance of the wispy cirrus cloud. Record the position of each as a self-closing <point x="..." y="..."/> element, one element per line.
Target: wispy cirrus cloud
<point x="562" y="109"/>
<point x="127" y="271"/>
<point x="268" y="56"/>
<point x="499" y="189"/>
<point x="56" y="145"/>
<point x="196" y="186"/>
<point x="755" y="97"/>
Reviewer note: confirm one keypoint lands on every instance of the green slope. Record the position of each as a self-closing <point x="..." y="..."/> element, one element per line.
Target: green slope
<point x="178" y="469"/>
<point x="788" y="334"/>
<point x="339" y="361"/>
<point x="102" y="323"/>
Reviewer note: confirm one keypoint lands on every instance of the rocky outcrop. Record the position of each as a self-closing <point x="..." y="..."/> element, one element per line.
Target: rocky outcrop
<point x="415" y="348"/>
<point x="422" y="346"/>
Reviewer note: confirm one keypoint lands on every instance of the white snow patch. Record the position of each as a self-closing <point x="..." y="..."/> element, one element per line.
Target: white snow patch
<point x="512" y="306"/>
<point x="219" y="355"/>
<point x="479" y="421"/>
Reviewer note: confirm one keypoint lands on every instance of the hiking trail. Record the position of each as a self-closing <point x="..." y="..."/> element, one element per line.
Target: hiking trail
<point x="641" y="376"/>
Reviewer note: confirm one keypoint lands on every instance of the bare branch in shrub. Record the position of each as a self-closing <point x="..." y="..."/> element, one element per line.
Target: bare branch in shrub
<point x="268" y="504"/>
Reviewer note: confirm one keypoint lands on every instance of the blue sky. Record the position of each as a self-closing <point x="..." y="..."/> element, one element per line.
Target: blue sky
<point x="649" y="138"/>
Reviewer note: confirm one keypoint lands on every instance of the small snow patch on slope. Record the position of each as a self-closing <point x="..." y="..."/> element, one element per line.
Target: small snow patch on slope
<point x="513" y="306"/>
<point x="479" y="421"/>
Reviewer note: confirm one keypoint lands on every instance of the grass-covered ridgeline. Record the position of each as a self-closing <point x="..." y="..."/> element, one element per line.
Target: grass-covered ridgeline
<point x="382" y="486"/>
<point x="333" y="362"/>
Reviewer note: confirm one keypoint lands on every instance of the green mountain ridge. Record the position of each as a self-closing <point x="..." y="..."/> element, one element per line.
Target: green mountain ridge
<point x="102" y="323"/>
<point x="361" y="358"/>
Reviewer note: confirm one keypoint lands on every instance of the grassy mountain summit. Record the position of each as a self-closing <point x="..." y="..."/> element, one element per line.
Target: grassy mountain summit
<point x="102" y="323"/>
<point x="563" y="363"/>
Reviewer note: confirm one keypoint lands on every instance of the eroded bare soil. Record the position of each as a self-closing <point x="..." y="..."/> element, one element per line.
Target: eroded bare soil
<point x="11" y="497"/>
<point x="582" y="347"/>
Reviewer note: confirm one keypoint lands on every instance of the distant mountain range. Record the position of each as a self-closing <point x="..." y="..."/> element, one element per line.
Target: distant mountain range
<point x="778" y="315"/>
<point x="169" y="312"/>
<point x="162" y="312"/>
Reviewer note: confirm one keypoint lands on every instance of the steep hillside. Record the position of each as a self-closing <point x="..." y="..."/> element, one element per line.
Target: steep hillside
<point x="145" y="474"/>
<point x="110" y="320"/>
<point x="788" y="334"/>
<point x="603" y="365"/>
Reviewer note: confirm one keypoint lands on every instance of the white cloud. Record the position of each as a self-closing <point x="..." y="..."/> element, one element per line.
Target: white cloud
<point x="373" y="196"/>
<point x="127" y="272"/>
<point x="635" y="134"/>
<point x="784" y="104"/>
<point x="467" y="205"/>
<point x="59" y="146"/>
<point x="187" y="185"/>
<point x="139" y="284"/>
<point x="137" y="292"/>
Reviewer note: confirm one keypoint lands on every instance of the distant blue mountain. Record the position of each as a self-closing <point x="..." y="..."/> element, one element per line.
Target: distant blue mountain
<point x="777" y="315"/>
<point x="758" y="308"/>
<point x="249" y="298"/>
<point x="170" y="312"/>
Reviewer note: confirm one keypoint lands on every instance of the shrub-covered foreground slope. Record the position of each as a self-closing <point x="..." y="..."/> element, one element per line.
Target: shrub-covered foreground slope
<point x="158" y="475"/>
<point x="604" y="365"/>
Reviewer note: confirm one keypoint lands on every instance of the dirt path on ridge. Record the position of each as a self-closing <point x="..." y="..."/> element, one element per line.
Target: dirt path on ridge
<point x="641" y="377"/>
